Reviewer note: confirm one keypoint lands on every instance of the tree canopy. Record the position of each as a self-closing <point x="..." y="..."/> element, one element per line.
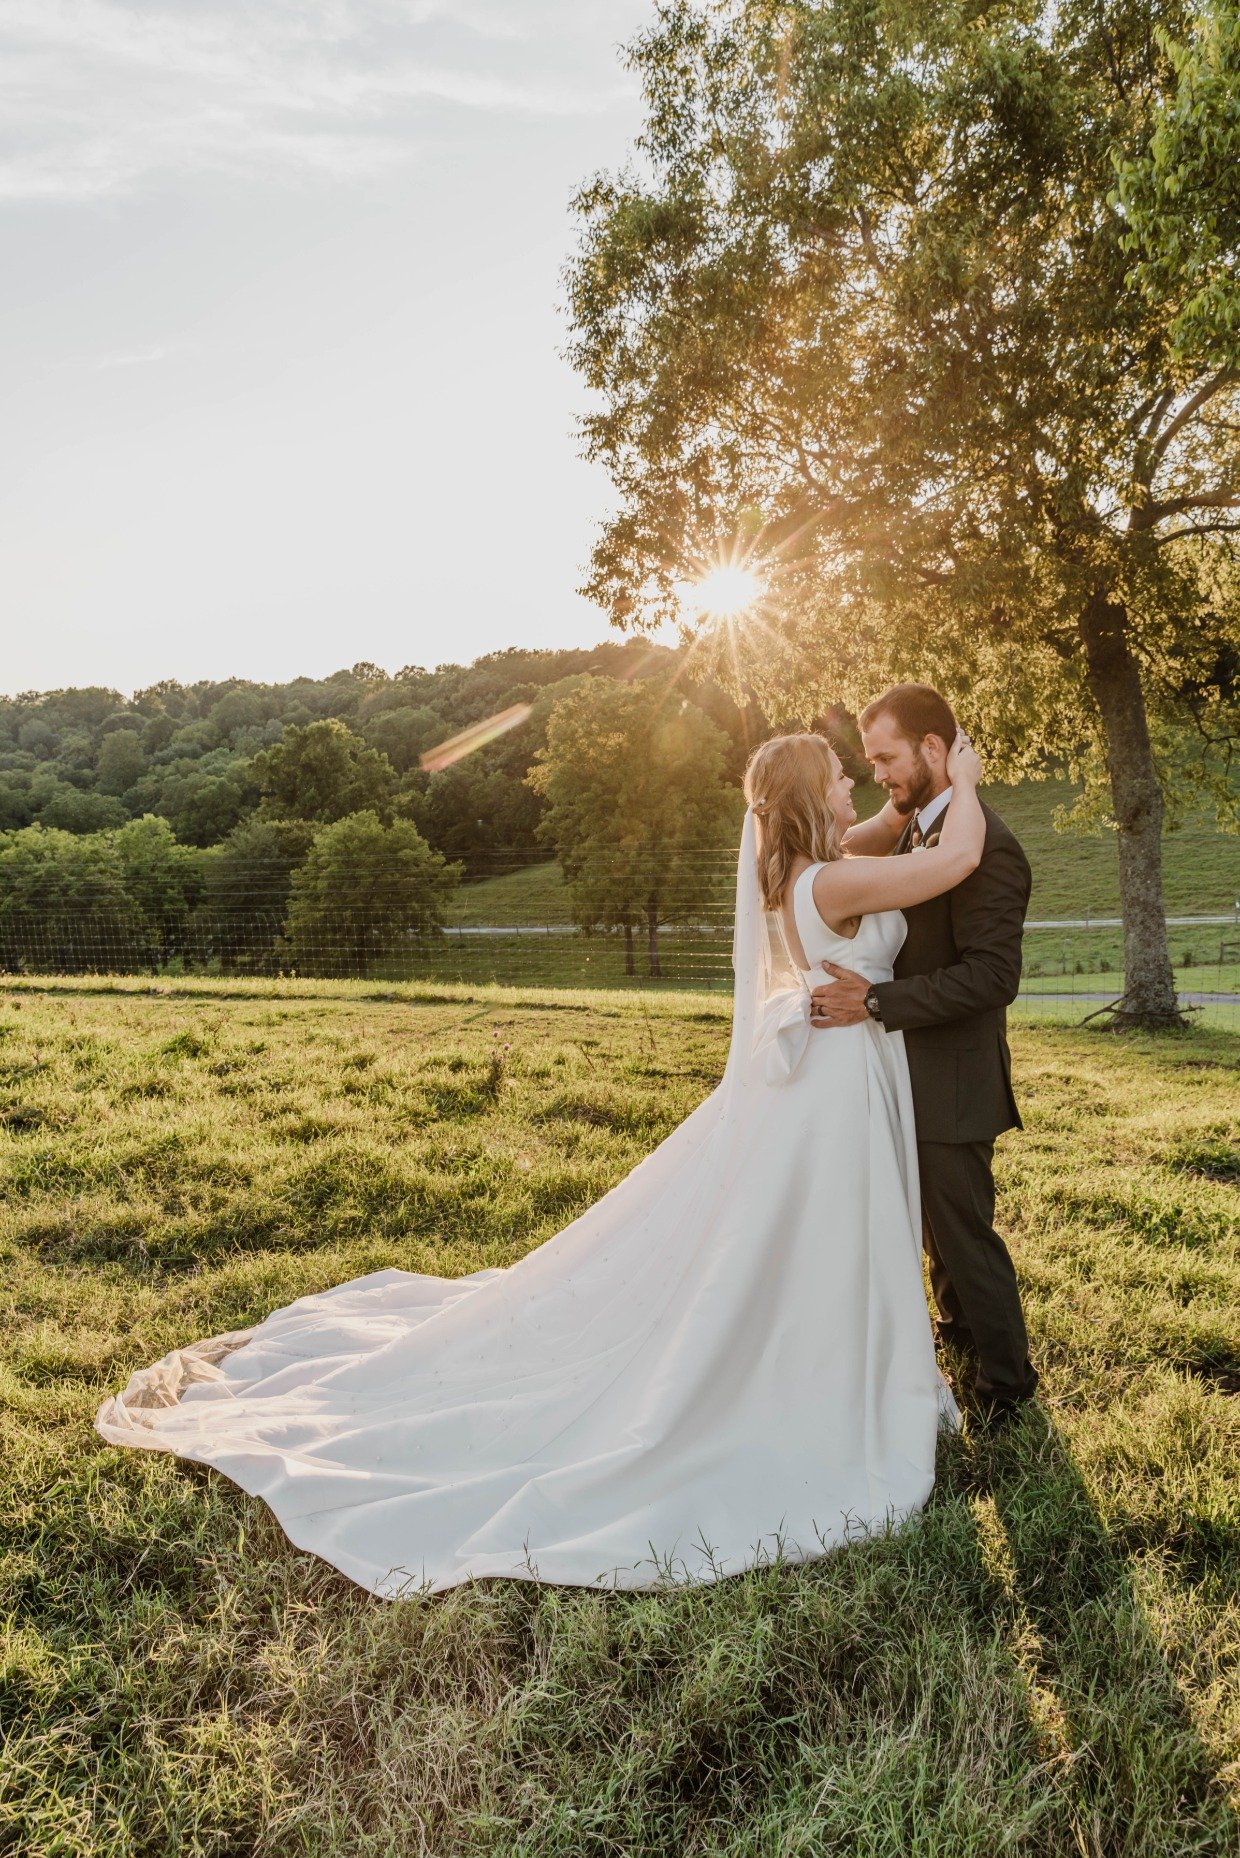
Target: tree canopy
<point x="224" y="788"/>
<point x="364" y="888"/>
<point x="1181" y="193"/>
<point x="638" y="809"/>
<point x="208" y="756"/>
<point x="64" y="905"/>
<point x="322" y="772"/>
<point x="893" y="304"/>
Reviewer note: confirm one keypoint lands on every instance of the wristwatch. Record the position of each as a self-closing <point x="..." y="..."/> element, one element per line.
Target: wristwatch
<point x="872" y="1007"/>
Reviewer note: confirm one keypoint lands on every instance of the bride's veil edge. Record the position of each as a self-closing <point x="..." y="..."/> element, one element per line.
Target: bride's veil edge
<point x="751" y="956"/>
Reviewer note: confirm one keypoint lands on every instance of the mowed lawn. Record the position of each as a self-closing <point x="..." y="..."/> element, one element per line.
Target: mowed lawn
<point x="1047" y="1662"/>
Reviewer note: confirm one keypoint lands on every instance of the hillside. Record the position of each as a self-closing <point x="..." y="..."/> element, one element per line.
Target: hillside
<point x="86" y="760"/>
<point x="529" y="894"/>
<point x="1073" y="875"/>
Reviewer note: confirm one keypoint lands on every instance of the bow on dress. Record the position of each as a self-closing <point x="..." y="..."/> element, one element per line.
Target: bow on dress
<point x="783" y="1032"/>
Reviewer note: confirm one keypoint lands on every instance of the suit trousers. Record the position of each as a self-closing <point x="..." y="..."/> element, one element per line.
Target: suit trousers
<point x="971" y="1272"/>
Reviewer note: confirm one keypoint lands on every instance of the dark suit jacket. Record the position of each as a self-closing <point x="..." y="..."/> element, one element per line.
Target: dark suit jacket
<point x="958" y="970"/>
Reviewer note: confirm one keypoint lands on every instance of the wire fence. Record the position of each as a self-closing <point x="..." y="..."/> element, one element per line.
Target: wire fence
<point x="517" y="929"/>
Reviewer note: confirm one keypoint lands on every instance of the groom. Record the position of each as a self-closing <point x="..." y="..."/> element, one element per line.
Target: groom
<point x="958" y="970"/>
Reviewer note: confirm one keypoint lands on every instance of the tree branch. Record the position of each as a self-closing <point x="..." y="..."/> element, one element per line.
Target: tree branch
<point x="866" y="226"/>
<point x="1177" y="535"/>
<point x="1227" y="497"/>
<point x="1150" y="411"/>
<point x="1225" y="377"/>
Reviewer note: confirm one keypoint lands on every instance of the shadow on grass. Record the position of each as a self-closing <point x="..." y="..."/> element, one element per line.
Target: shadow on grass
<point x="1137" y="1775"/>
<point x="984" y="1682"/>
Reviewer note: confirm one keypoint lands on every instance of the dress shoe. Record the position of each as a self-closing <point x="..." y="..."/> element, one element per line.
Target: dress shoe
<point x="990" y="1417"/>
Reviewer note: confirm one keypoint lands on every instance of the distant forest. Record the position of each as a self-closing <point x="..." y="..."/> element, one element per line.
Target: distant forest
<point x="89" y="760"/>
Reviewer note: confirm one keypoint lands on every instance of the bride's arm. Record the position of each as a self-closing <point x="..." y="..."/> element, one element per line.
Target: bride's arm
<point x="874" y="838"/>
<point x="850" y="887"/>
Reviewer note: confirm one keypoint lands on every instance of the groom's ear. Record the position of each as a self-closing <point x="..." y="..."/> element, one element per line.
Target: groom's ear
<point x="935" y="750"/>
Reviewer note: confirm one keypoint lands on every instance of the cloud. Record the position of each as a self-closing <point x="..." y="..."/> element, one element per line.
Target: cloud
<point x="133" y="360"/>
<point x="100" y="96"/>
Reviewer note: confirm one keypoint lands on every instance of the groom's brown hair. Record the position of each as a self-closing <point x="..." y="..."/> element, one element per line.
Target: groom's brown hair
<point x="917" y="710"/>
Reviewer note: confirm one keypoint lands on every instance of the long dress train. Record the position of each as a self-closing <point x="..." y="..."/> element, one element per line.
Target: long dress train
<point x="727" y="1357"/>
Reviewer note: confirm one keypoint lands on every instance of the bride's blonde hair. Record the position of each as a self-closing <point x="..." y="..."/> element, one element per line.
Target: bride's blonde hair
<point x="787" y="783"/>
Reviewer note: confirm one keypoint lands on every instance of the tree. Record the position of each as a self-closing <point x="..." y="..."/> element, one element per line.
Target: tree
<point x="63" y="904"/>
<point x="363" y="890"/>
<point x="16" y="808"/>
<point x="237" y="710"/>
<point x="1181" y="193"/>
<point x="481" y="809"/>
<point x="120" y="762"/>
<point x="478" y="813"/>
<point x="322" y="772"/>
<point x="61" y="806"/>
<point x="246" y="885"/>
<point x="871" y="318"/>
<point x="637" y="808"/>
<point x="160" y="876"/>
<point x="38" y="737"/>
<point x="201" y="801"/>
<point x="404" y="734"/>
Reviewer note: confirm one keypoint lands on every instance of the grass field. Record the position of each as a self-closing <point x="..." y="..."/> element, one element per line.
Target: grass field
<point x="1080" y="963"/>
<point x="1047" y="1663"/>
<point x="1075" y="963"/>
<point x="1073" y="875"/>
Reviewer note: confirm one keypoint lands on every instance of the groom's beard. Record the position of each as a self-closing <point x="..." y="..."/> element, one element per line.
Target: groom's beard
<point x="919" y="789"/>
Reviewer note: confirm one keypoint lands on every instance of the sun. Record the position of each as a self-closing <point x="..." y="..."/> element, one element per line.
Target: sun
<point x="724" y="593"/>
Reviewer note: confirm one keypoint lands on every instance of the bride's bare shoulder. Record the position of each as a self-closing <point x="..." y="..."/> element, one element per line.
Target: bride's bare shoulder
<point x="835" y="910"/>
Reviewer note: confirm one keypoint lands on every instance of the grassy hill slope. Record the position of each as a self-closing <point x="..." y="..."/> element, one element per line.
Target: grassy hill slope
<point x="1072" y="875"/>
<point x="530" y="894"/>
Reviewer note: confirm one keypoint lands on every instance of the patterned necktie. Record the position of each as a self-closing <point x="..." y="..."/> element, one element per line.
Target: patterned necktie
<point x="916" y="836"/>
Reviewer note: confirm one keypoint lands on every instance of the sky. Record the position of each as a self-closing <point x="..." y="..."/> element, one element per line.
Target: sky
<point x="281" y="377"/>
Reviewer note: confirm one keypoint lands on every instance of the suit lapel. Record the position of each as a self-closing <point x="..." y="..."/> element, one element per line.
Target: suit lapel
<point x="905" y="841"/>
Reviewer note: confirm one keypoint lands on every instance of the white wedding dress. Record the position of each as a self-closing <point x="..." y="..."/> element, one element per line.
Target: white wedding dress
<point x="727" y="1357"/>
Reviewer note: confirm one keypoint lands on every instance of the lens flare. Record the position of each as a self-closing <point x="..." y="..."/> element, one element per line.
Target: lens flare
<point x="476" y="736"/>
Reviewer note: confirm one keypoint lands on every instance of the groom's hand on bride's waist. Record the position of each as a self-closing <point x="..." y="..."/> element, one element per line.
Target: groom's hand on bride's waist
<point x="839" y="1002"/>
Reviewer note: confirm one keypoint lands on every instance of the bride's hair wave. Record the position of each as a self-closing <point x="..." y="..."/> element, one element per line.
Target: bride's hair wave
<point x="787" y="784"/>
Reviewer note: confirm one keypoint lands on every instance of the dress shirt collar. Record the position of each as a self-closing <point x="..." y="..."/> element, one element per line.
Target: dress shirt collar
<point x="933" y="810"/>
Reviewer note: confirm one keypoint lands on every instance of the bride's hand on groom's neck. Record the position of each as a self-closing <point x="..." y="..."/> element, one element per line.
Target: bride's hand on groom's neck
<point x="964" y="764"/>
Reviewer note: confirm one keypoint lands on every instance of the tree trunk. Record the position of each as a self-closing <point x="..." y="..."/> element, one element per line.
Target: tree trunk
<point x="630" y="963"/>
<point x="1137" y="802"/>
<point x="652" y="940"/>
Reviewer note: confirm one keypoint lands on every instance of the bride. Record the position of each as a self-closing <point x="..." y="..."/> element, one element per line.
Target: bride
<point x="727" y="1358"/>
